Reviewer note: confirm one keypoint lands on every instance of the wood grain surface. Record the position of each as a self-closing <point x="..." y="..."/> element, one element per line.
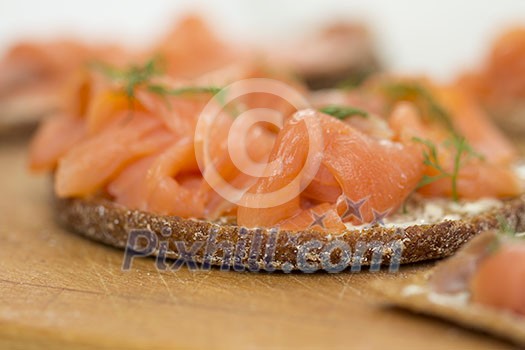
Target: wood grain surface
<point x="59" y="290"/>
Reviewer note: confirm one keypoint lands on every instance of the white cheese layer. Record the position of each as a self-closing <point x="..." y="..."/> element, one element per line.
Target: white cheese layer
<point x="420" y="211"/>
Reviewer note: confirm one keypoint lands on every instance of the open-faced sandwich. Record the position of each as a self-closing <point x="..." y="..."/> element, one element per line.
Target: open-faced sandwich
<point x="481" y="287"/>
<point x="247" y="166"/>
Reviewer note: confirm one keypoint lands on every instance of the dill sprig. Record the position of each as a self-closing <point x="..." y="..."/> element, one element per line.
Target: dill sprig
<point x="418" y="94"/>
<point x="356" y="80"/>
<point x="132" y="76"/>
<point x="164" y="91"/>
<point x="343" y="112"/>
<point x="430" y="158"/>
<point x="431" y="108"/>
<point x="141" y="76"/>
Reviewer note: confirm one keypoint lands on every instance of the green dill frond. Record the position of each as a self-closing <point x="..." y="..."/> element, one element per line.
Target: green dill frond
<point x="356" y="80"/>
<point x="463" y="151"/>
<point x="343" y="112"/>
<point x="136" y="76"/>
<point x="415" y="92"/>
<point x="130" y="77"/>
<point x="162" y="90"/>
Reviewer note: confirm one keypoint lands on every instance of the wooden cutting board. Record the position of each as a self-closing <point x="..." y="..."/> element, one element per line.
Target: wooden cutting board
<point x="60" y="290"/>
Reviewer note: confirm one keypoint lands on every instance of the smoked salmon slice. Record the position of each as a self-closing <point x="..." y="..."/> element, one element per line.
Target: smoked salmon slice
<point x="150" y="184"/>
<point x="46" y="149"/>
<point x="91" y="163"/>
<point x="380" y="173"/>
<point x="499" y="280"/>
<point x="474" y="124"/>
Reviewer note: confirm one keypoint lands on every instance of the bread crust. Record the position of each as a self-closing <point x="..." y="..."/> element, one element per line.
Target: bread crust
<point x="267" y="249"/>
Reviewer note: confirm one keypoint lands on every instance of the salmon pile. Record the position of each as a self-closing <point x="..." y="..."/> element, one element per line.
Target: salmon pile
<point x="138" y="134"/>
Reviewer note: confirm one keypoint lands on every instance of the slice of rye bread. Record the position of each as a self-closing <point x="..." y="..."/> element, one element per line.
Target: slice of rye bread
<point x="110" y="223"/>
